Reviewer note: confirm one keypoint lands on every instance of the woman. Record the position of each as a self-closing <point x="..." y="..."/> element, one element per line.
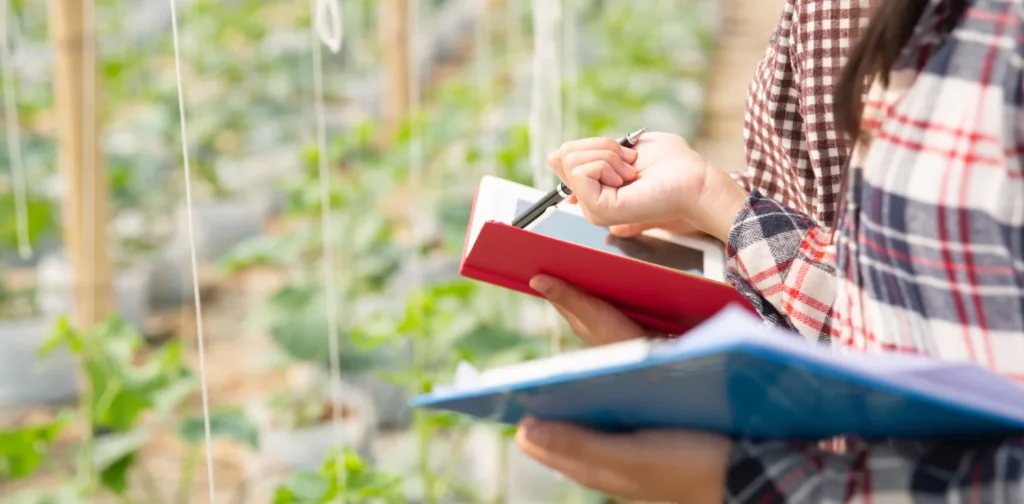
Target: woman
<point x="927" y="257"/>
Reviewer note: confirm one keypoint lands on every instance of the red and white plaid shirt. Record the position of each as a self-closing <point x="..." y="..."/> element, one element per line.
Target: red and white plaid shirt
<point x="929" y="253"/>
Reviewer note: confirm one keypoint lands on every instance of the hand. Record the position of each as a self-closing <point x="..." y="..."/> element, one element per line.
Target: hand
<point x="593" y="320"/>
<point x="662" y="179"/>
<point x="652" y="465"/>
<point x="677" y="227"/>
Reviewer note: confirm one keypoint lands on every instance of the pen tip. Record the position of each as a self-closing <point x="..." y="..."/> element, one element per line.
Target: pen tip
<point x="635" y="136"/>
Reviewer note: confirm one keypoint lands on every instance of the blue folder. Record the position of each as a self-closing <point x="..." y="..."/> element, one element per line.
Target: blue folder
<point x="735" y="376"/>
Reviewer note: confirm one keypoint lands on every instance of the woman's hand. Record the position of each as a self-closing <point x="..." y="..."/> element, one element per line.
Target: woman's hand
<point x="593" y="320"/>
<point x="653" y="465"/>
<point x="662" y="179"/>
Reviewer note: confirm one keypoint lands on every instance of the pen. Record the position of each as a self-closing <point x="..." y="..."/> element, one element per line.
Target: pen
<point x="562" y="191"/>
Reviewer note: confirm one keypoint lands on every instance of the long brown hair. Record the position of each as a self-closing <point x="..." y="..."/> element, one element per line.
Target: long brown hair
<point x="890" y="28"/>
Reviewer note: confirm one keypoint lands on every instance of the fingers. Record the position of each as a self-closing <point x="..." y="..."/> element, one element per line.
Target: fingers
<point x="590" y="458"/>
<point x="557" y="443"/>
<point x="555" y="163"/>
<point x="596" y="322"/>
<point x="599" y="143"/>
<point x="578" y="152"/>
<point x="615" y="171"/>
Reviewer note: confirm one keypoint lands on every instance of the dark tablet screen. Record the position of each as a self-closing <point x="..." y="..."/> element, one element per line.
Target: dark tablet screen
<point x="576" y="229"/>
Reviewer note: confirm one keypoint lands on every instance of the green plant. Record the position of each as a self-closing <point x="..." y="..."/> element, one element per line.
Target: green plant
<point x="124" y="387"/>
<point x="361" y="483"/>
<point x="24" y="449"/>
<point x="447" y="323"/>
<point x="41" y="215"/>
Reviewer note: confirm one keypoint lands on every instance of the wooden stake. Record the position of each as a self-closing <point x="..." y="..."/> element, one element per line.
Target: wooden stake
<point x="393" y="27"/>
<point x="85" y="199"/>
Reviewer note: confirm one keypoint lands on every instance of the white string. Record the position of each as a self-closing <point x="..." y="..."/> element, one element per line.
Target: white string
<point x="327" y="224"/>
<point x="570" y="122"/>
<point x="415" y="134"/>
<point x="192" y="252"/>
<point x="20" y="188"/>
<point x="329" y="11"/>
<point x="485" y="83"/>
<point x="546" y="114"/>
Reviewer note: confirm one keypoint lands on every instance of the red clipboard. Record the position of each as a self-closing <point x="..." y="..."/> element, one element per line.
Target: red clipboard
<point x="658" y="298"/>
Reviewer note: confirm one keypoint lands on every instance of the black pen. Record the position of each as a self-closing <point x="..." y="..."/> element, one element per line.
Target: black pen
<point x="562" y="191"/>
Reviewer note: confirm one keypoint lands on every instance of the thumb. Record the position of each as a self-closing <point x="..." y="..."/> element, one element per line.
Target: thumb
<point x="629" y="230"/>
<point x="677" y="227"/>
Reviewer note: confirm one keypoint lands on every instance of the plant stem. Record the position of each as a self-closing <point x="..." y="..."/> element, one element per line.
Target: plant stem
<point x="424" y="431"/>
<point x="188" y="472"/>
<point x="149" y="486"/>
<point x="86" y="477"/>
<point x="503" y="466"/>
<point x="454" y="459"/>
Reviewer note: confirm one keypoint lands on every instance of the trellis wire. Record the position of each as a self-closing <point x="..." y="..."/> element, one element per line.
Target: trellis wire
<point x="192" y="253"/>
<point x="10" y="76"/>
<point x="327" y="26"/>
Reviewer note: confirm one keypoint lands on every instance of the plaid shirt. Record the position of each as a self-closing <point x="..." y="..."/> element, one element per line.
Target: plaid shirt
<point x="928" y="256"/>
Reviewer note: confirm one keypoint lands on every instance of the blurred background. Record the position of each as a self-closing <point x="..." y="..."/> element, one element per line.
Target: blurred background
<point x="100" y="394"/>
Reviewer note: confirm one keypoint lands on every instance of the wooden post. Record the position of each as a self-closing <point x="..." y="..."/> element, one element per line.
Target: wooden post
<point x="393" y="28"/>
<point x="85" y="205"/>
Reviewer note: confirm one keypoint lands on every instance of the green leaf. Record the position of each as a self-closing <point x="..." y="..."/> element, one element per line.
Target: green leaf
<point x="114" y="455"/>
<point x="223" y="424"/>
<point x="23" y="449"/>
<point x="490" y="341"/>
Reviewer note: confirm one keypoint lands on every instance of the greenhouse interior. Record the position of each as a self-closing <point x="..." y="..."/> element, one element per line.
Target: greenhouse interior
<point x="231" y="230"/>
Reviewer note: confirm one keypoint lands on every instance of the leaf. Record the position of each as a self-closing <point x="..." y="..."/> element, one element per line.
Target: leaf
<point x="302" y="487"/>
<point x="114" y="455"/>
<point x="490" y="341"/>
<point x="61" y="335"/>
<point x="115" y="476"/>
<point x="23" y="449"/>
<point x="223" y="424"/>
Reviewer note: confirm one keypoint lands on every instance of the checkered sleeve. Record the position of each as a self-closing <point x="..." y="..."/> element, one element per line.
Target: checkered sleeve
<point x="893" y="472"/>
<point x="784" y="264"/>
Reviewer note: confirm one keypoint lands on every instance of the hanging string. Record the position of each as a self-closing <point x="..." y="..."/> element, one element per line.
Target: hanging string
<point x="541" y="176"/>
<point x="415" y="133"/>
<point x="192" y="253"/>
<point x="416" y="160"/>
<point x="570" y="43"/>
<point x="328" y="23"/>
<point x="321" y="10"/>
<point x="20" y="185"/>
<point x="546" y="114"/>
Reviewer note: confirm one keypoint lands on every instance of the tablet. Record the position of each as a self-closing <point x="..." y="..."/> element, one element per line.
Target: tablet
<point x="502" y="201"/>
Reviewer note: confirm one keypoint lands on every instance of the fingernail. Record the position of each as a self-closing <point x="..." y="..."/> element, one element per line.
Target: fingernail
<point x="541" y="284"/>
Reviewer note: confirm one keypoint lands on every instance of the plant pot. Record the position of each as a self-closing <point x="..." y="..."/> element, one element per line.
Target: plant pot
<point x="305" y="448"/>
<point x="25" y="377"/>
<point x="131" y="289"/>
<point x="220" y="225"/>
